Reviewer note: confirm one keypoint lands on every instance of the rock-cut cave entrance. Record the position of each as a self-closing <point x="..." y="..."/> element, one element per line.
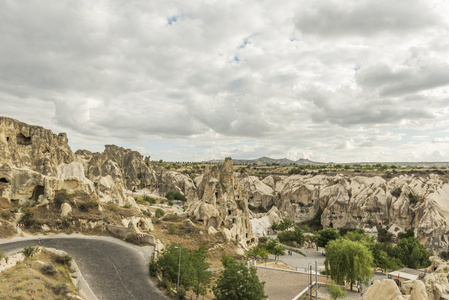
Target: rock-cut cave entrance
<point x="38" y="191"/>
<point x="23" y="140"/>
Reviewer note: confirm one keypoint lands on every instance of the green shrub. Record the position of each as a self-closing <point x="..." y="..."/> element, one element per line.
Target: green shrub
<point x="62" y="259"/>
<point x="170" y="203"/>
<point x="159" y="213"/>
<point x="263" y="239"/>
<point x="61" y="289"/>
<point x="28" y="251"/>
<point x="146" y="212"/>
<point x="61" y="198"/>
<point x="2" y="255"/>
<point x="171" y="195"/>
<point x="6" y="214"/>
<point x="152" y="266"/>
<point x="414" y="198"/>
<point x="171" y="229"/>
<point x="49" y="269"/>
<point x="87" y="205"/>
<point x="335" y="291"/>
<point x="27" y="218"/>
<point x="149" y="199"/>
<point x="127" y="206"/>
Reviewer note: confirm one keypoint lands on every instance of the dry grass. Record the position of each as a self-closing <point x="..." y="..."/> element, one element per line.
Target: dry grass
<point x="26" y="281"/>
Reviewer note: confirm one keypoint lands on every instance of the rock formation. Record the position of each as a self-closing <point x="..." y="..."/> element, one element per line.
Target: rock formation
<point x="408" y="201"/>
<point x="221" y="204"/>
<point x="33" y="147"/>
<point x="385" y="289"/>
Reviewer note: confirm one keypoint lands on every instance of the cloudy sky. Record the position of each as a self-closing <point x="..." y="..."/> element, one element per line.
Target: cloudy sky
<point x="327" y="80"/>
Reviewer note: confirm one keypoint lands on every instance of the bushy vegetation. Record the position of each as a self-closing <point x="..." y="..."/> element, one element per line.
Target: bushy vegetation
<point x="29" y="251"/>
<point x="49" y="269"/>
<point x="171" y="195"/>
<point x="414" y="198"/>
<point x="335" y="291"/>
<point x="149" y="199"/>
<point x="293" y="237"/>
<point x="325" y="236"/>
<point x="283" y="225"/>
<point x="62" y="259"/>
<point x="194" y="268"/>
<point x="27" y="218"/>
<point x="238" y="282"/>
<point x="86" y="206"/>
<point x="61" y="198"/>
<point x="159" y="213"/>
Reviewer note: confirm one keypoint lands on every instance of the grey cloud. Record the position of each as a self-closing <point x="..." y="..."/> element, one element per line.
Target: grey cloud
<point x="364" y="18"/>
<point x="405" y="80"/>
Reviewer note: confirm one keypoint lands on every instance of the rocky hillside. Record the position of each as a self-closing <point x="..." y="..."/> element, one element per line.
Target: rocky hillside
<point x="418" y="201"/>
<point x="36" y="165"/>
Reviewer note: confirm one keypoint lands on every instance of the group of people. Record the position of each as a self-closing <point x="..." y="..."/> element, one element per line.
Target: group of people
<point x="289" y="252"/>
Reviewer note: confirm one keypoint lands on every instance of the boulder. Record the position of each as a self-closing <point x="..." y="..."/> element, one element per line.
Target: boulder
<point x="418" y="291"/>
<point x="386" y="289"/>
<point x="211" y="230"/>
<point x="66" y="209"/>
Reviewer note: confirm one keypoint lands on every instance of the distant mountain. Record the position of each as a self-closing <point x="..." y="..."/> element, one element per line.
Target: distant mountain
<point x="268" y="161"/>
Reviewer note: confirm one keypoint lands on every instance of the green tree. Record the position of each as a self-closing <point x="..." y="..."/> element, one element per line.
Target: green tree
<point x="290" y="236"/>
<point x="325" y="236"/>
<point x="202" y="276"/>
<point x="348" y="260"/>
<point x="273" y="247"/>
<point x="335" y="290"/>
<point x="237" y="282"/>
<point x="169" y="262"/>
<point x="412" y="253"/>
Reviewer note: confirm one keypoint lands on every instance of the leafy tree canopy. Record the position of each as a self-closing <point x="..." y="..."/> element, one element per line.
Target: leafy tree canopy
<point x="348" y="260"/>
<point x="237" y="282"/>
<point x="325" y="236"/>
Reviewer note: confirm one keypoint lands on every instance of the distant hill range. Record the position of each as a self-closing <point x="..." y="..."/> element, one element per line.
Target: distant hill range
<point x="269" y="161"/>
<point x="285" y="161"/>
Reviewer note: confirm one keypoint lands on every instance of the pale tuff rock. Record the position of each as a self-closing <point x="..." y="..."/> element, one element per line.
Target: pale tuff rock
<point x="262" y="225"/>
<point x="366" y="202"/>
<point x="211" y="230"/>
<point x="419" y="291"/>
<point x="33" y="147"/>
<point x="257" y="192"/>
<point x="66" y="209"/>
<point x="221" y="204"/>
<point x="138" y="224"/>
<point x="386" y="290"/>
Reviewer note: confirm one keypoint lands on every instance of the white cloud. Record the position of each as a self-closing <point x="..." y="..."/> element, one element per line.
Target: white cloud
<point x="325" y="80"/>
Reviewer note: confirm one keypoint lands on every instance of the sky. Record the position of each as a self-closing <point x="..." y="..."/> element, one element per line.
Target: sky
<point x="325" y="80"/>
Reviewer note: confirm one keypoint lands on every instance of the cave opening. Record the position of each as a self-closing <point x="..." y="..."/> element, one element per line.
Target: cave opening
<point x="38" y="191"/>
<point x="7" y="138"/>
<point x="4" y="180"/>
<point x="23" y="140"/>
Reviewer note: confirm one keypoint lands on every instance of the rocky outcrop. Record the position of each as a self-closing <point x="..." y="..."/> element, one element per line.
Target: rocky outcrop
<point x="33" y="147"/>
<point x="385" y="289"/>
<point x="258" y="193"/>
<point x="221" y="204"/>
<point x="118" y="169"/>
<point x="408" y="201"/>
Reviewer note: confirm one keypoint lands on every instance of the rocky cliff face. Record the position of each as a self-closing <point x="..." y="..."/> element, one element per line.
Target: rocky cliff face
<point x="221" y="204"/>
<point x="408" y="201"/>
<point x="33" y="147"/>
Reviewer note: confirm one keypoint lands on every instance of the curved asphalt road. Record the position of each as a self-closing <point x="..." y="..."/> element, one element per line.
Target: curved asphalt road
<point x="113" y="269"/>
